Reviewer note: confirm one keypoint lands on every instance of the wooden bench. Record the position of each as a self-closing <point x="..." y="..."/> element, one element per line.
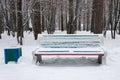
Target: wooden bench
<point x="70" y="45"/>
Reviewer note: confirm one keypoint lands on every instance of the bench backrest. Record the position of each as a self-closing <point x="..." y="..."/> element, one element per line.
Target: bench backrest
<point x="70" y="40"/>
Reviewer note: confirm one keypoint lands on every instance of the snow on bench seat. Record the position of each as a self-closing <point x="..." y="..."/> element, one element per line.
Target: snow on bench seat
<point x="57" y="51"/>
<point x="69" y="45"/>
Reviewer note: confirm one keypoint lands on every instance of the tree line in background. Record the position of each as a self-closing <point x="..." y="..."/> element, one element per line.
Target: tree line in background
<point x="97" y="16"/>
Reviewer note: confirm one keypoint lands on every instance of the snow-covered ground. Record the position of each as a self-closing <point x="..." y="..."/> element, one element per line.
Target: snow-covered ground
<point x="59" y="68"/>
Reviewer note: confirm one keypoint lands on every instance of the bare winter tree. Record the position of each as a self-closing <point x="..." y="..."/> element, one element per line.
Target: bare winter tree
<point x="119" y="19"/>
<point x="51" y="17"/>
<point x="13" y="15"/>
<point x="26" y="14"/>
<point x="6" y="8"/>
<point x="43" y="21"/>
<point x="70" y="28"/>
<point x="36" y="19"/>
<point x="62" y="17"/>
<point x="117" y="15"/>
<point x="75" y="23"/>
<point x="97" y="17"/>
<point x="0" y="27"/>
<point x="0" y="21"/>
<point x="80" y="15"/>
<point x="93" y="17"/>
<point x="106" y="18"/>
<point x="9" y="15"/>
<point x="114" y="17"/>
<point x="19" y="22"/>
<point x="88" y="14"/>
<point x="84" y="15"/>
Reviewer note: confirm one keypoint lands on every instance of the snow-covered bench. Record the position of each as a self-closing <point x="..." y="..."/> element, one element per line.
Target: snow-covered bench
<point x="70" y="45"/>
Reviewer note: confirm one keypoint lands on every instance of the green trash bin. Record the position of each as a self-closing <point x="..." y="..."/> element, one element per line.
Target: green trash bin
<point x="12" y="54"/>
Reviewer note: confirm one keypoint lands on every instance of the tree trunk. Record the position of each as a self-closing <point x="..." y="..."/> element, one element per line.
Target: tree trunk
<point x="111" y="13"/>
<point x="43" y="23"/>
<point x="84" y="16"/>
<point x="80" y="15"/>
<point x="93" y="17"/>
<point x="13" y="17"/>
<point x="119" y="28"/>
<point x="0" y="25"/>
<point x="36" y="20"/>
<point x="70" y="28"/>
<point x="117" y="15"/>
<point x="62" y="20"/>
<point x="51" y="18"/>
<point x="88" y="14"/>
<point x="98" y="16"/>
<point x="76" y="14"/>
<point x="0" y="20"/>
<point x="19" y="22"/>
<point x="119" y="18"/>
<point x="106" y="17"/>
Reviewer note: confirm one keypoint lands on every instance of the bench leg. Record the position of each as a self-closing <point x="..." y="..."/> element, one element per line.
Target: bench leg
<point x="104" y="59"/>
<point x="100" y="59"/>
<point x="39" y="59"/>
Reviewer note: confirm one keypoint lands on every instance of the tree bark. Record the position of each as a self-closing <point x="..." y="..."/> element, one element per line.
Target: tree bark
<point x="97" y="23"/>
<point x="0" y="25"/>
<point x="0" y="20"/>
<point x="70" y="28"/>
<point x="19" y="22"/>
<point x="93" y="17"/>
<point x="36" y="20"/>
<point x="117" y="15"/>
<point x="62" y="20"/>
<point x="51" y="18"/>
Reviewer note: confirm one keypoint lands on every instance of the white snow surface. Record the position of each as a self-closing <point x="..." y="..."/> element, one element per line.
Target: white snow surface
<point x="59" y="67"/>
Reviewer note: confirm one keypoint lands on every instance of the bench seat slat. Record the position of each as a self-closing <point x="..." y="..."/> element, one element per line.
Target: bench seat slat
<point x="69" y="50"/>
<point x="70" y="54"/>
<point x="65" y="51"/>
